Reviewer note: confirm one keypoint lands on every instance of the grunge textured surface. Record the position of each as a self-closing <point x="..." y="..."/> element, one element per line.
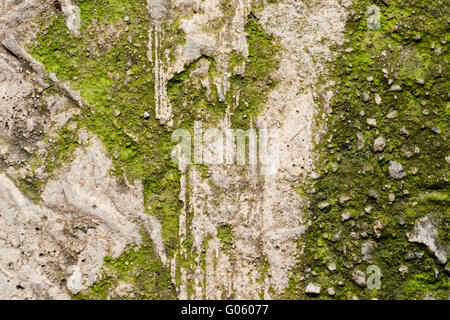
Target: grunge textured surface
<point x="92" y="205"/>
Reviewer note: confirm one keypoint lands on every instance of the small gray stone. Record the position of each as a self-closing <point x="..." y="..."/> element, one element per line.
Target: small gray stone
<point x="379" y="144"/>
<point x="402" y="220"/>
<point x="359" y="277"/>
<point x="373" y="194"/>
<point x="331" y="266"/>
<point x="391" y="197"/>
<point x="403" y="270"/>
<point x="377" y="98"/>
<point x="404" y="132"/>
<point x="371" y="122"/>
<point x="366" y="97"/>
<point x="344" y="199"/>
<point x="360" y="142"/>
<point x="146" y="115"/>
<point x="396" y="170"/>
<point x="413" y="255"/>
<point x="345" y="216"/>
<point x="420" y="81"/>
<point x="323" y="205"/>
<point x="436" y="130"/>
<point x="337" y="236"/>
<point x="392" y="115"/>
<point x="331" y="292"/>
<point x="312" y="288"/>
<point x="368" y="210"/>
<point x="438" y="51"/>
<point x="395" y="87"/>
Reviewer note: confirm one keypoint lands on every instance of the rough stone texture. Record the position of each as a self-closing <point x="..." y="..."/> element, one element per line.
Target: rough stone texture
<point x="84" y="216"/>
<point x="312" y="288"/>
<point x="379" y="144"/>
<point x="425" y="231"/>
<point x="359" y="277"/>
<point x="242" y="232"/>
<point x="396" y="170"/>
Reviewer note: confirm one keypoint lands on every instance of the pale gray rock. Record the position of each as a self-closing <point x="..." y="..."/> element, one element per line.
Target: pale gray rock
<point x="425" y="232"/>
<point x="313" y="289"/>
<point x="395" y="87"/>
<point x="359" y="277"/>
<point x="368" y="250"/>
<point x="396" y="170"/>
<point x="346" y="215"/>
<point x="379" y="144"/>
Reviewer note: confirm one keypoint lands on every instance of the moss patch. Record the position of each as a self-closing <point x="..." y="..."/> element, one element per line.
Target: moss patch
<point x="374" y="62"/>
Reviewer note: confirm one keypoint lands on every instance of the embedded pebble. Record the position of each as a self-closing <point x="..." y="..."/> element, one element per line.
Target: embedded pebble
<point x="436" y="130"/>
<point x="377" y="99"/>
<point x="371" y="122"/>
<point x="331" y="266"/>
<point x="396" y="170"/>
<point x="345" y="216"/>
<point x="438" y="51"/>
<point x="392" y="115"/>
<point x="366" y="97"/>
<point x="359" y="277"/>
<point x="379" y="144"/>
<point x="395" y="87"/>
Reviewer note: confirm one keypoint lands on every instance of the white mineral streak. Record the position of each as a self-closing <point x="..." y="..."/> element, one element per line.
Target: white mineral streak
<point x="72" y="16"/>
<point x="262" y="208"/>
<point x="163" y="108"/>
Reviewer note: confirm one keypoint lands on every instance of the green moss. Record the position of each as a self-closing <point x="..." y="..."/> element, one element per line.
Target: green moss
<point x="257" y="81"/>
<point x="140" y="149"/>
<point x="189" y="97"/>
<point x="423" y="192"/>
<point x="225" y="235"/>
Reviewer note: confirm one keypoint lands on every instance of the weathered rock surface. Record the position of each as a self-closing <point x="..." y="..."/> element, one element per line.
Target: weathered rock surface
<point x="426" y="232"/>
<point x="84" y="216"/>
<point x="92" y="206"/>
<point x="396" y="170"/>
